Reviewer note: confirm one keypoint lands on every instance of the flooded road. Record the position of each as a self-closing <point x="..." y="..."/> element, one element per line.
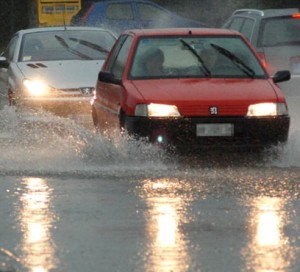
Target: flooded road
<point x="73" y="201"/>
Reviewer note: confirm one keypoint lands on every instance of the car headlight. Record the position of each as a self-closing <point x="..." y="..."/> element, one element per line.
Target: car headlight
<point x="156" y="110"/>
<point x="267" y="109"/>
<point x="36" y="88"/>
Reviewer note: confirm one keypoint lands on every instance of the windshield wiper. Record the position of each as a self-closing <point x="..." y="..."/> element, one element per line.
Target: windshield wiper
<point x="203" y="68"/>
<point x="90" y="45"/>
<point x="73" y="51"/>
<point x="236" y="60"/>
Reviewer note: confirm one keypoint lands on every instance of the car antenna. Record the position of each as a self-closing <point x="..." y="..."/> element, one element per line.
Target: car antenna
<point x="65" y="26"/>
<point x="64" y="17"/>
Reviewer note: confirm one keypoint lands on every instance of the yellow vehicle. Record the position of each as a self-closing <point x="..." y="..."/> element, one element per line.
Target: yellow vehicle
<point x="54" y="12"/>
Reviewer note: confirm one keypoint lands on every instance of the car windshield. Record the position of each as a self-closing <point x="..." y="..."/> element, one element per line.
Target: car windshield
<point x="197" y="56"/>
<point x="279" y="32"/>
<point x="66" y="45"/>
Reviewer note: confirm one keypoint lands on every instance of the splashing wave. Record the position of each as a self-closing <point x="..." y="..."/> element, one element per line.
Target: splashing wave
<point x="41" y="143"/>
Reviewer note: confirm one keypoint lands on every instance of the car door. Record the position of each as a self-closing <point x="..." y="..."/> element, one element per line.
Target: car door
<point x="110" y="94"/>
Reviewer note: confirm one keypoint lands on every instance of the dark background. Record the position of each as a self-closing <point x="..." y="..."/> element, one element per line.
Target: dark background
<point x="14" y="14"/>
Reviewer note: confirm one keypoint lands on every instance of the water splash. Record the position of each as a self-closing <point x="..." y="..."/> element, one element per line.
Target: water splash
<point x="42" y="143"/>
<point x="289" y="155"/>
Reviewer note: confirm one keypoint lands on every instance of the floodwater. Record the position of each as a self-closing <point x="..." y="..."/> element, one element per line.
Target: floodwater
<point x="74" y="201"/>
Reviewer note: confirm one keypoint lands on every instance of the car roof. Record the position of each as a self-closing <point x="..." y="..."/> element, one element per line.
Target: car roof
<point x="266" y="12"/>
<point x="59" y="28"/>
<point x="181" y="31"/>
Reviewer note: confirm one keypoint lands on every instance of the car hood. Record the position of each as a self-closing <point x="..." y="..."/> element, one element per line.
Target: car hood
<point x="63" y="74"/>
<point x="230" y="93"/>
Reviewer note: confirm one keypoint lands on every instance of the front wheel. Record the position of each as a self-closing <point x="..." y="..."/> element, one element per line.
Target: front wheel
<point x="95" y="120"/>
<point x="11" y="98"/>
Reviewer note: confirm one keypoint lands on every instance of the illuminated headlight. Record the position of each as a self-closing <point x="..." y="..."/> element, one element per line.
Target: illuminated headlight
<point x="36" y="88"/>
<point x="267" y="109"/>
<point x="156" y="110"/>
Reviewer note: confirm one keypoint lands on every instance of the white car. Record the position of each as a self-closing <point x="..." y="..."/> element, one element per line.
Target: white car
<point x="54" y="68"/>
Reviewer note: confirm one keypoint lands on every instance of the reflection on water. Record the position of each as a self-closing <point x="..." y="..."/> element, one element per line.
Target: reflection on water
<point x="269" y="249"/>
<point x="168" y="248"/>
<point x="37" y="220"/>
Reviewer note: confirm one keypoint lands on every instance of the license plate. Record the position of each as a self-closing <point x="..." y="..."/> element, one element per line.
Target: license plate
<point x="210" y="130"/>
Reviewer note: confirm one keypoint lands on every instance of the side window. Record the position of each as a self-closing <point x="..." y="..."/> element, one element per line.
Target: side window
<point x="247" y="28"/>
<point x="10" y="50"/>
<point x="236" y="23"/>
<point x="115" y="53"/>
<point x="119" y="57"/>
<point x="119" y="12"/>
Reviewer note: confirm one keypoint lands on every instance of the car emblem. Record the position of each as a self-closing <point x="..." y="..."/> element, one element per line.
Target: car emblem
<point x="86" y="91"/>
<point x="213" y="110"/>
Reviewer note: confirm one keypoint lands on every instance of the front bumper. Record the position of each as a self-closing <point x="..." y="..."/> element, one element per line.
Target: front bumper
<point x="181" y="132"/>
<point x="60" y="105"/>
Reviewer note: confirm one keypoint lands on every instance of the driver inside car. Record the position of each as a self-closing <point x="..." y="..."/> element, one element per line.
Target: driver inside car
<point x="152" y="63"/>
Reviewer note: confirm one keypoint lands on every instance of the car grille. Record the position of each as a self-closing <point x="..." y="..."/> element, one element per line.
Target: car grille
<point x="84" y="91"/>
<point x="204" y="110"/>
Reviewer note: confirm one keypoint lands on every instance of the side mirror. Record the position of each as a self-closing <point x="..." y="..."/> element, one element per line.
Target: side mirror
<point x="108" y="78"/>
<point x="3" y="62"/>
<point x="281" y="76"/>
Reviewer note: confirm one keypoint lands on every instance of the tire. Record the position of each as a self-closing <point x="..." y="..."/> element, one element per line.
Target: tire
<point x="122" y="122"/>
<point x="11" y="98"/>
<point x="95" y="120"/>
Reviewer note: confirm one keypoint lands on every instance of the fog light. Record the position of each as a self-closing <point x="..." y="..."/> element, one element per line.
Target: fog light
<point x="160" y="139"/>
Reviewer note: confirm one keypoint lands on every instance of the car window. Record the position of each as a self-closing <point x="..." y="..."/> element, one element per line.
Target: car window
<point x="247" y="28"/>
<point x="66" y="45"/>
<point x="119" y="12"/>
<point x="236" y="23"/>
<point x="82" y="12"/>
<point x="117" y="66"/>
<point x="217" y="56"/>
<point x="149" y="12"/>
<point x="115" y="52"/>
<point x="10" y="50"/>
<point x="279" y="31"/>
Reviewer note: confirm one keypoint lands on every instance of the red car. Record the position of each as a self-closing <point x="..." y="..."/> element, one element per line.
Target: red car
<point x="190" y="88"/>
